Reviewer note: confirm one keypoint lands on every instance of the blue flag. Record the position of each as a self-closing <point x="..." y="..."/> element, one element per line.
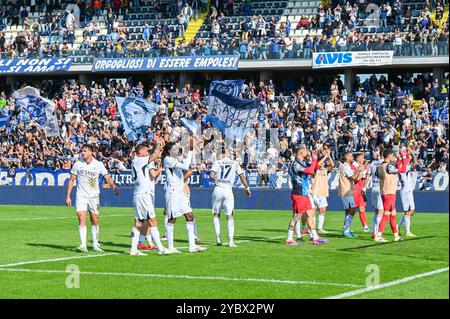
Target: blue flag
<point x="34" y="107"/>
<point x="192" y="125"/>
<point x="231" y="114"/>
<point x="4" y="120"/>
<point x="136" y="115"/>
<point x="228" y="87"/>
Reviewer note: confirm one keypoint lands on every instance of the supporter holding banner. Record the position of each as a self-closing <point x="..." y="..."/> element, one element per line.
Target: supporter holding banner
<point x="136" y="115"/>
<point x="231" y="114"/>
<point x="37" y="108"/>
<point x="228" y="87"/>
<point x="192" y="125"/>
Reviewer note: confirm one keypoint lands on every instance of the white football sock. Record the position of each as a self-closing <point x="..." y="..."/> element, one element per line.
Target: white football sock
<point x="374" y="223"/>
<point x="149" y="239"/>
<point x="290" y="234"/>
<point x="134" y="238"/>
<point x="217" y="226"/>
<point x="231" y="229"/>
<point x="297" y="229"/>
<point x="169" y="234"/>
<point x="402" y="221"/>
<point x="407" y="223"/>
<point x="141" y="239"/>
<point x="348" y="222"/>
<point x="83" y="234"/>
<point x="321" y="221"/>
<point x="191" y="235"/>
<point x="166" y="221"/>
<point x="155" y="234"/>
<point x="195" y="229"/>
<point x="313" y="234"/>
<point x="377" y="224"/>
<point x="94" y="232"/>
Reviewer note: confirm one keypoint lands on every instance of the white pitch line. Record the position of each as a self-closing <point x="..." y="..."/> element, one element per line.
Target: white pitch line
<point x="99" y="255"/>
<point x="291" y="282"/>
<point x="238" y="242"/>
<point x="55" y="259"/>
<point x="388" y="284"/>
<point x="52" y="218"/>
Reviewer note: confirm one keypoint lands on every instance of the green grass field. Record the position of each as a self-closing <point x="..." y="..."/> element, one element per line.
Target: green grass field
<point x="38" y="244"/>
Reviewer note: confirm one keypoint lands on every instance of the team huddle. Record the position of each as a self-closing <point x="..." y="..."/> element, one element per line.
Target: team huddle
<point x="309" y="175"/>
<point x="149" y="161"/>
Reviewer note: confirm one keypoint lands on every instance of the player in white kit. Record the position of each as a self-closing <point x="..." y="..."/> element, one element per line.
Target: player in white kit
<point x="223" y="173"/>
<point x="86" y="172"/>
<point x="377" y="202"/>
<point x="406" y="191"/>
<point x="145" y="170"/>
<point x="177" y="202"/>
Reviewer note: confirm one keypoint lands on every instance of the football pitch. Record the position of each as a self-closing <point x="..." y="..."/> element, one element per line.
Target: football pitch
<point x="38" y="259"/>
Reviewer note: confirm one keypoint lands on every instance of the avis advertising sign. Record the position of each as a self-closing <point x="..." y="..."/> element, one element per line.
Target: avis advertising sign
<point x="359" y="58"/>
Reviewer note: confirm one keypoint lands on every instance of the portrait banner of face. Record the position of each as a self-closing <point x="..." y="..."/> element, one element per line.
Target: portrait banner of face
<point x="136" y="115"/>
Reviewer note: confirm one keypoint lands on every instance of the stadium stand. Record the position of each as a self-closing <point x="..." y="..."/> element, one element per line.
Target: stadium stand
<point x="315" y="109"/>
<point x="252" y="29"/>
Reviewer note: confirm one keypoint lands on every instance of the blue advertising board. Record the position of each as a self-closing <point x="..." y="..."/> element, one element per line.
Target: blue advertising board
<point x="35" y="65"/>
<point x="45" y="177"/>
<point x="438" y="182"/>
<point x="180" y="63"/>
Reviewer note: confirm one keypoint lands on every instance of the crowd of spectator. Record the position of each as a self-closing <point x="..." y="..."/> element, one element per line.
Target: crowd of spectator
<point x="340" y="26"/>
<point x="380" y="114"/>
<point x="343" y="28"/>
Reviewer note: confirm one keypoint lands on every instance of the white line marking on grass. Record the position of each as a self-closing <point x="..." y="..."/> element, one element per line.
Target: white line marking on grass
<point x="55" y="259"/>
<point x="388" y="284"/>
<point x="236" y="242"/>
<point x="51" y="218"/>
<point x="291" y="282"/>
<point x="100" y="255"/>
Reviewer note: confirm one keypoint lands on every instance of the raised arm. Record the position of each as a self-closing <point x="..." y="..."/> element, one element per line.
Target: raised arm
<point x="402" y="163"/>
<point x="155" y="170"/>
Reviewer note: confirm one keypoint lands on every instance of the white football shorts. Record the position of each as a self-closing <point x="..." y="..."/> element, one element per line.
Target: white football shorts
<point x="177" y="204"/>
<point x="320" y="201"/>
<point x="407" y="200"/>
<point x="377" y="202"/>
<point x="222" y="200"/>
<point x="144" y="207"/>
<point x="348" y="202"/>
<point x="87" y="204"/>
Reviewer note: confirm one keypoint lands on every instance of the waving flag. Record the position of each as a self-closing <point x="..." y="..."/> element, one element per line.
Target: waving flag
<point x="136" y="114"/>
<point x="228" y="87"/>
<point x="4" y="120"/>
<point x="35" y="107"/>
<point x="192" y="125"/>
<point x="231" y="114"/>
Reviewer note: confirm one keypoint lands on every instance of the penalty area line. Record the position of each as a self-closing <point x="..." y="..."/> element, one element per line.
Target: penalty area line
<point x="261" y="280"/>
<point x="387" y="284"/>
